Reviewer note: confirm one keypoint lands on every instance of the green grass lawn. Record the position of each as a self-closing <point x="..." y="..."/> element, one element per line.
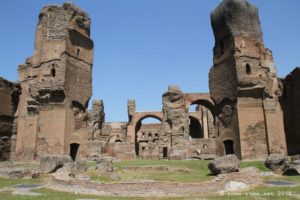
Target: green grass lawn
<point x="198" y="172"/>
<point x="5" y="182"/>
<point x="258" y="164"/>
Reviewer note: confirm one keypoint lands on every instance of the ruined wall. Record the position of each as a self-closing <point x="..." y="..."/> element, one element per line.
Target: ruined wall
<point x="132" y="139"/>
<point x="56" y="85"/>
<point x="9" y="99"/>
<point x="204" y="148"/>
<point x="175" y="124"/>
<point x="291" y="106"/>
<point x="96" y="120"/>
<point x="114" y="134"/>
<point x="243" y="82"/>
<point x="148" y="137"/>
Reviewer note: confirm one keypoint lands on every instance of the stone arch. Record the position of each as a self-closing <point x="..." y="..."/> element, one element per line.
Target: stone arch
<point x="138" y="123"/>
<point x="138" y="117"/>
<point x="206" y="113"/>
<point x="200" y="99"/>
<point x="204" y="103"/>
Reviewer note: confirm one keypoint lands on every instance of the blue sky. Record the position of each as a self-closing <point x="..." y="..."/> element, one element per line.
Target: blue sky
<point x="142" y="46"/>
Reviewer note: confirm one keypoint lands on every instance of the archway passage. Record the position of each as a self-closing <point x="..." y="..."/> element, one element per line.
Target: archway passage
<point x="147" y="131"/>
<point x="202" y="122"/>
<point x="195" y="128"/>
<point x="228" y="145"/>
<point x="73" y="150"/>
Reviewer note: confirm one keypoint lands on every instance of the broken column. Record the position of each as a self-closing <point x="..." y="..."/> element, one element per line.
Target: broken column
<point x="244" y="84"/>
<point x="56" y="85"/>
<point x="175" y="124"/>
<point x="9" y="99"/>
<point x="131" y="109"/>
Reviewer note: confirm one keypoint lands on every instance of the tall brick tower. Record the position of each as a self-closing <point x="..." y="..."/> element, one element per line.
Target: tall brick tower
<point x="244" y="84"/>
<point x="56" y="85"/>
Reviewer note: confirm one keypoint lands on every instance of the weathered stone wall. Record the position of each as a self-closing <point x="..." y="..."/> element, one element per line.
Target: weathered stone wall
<point x="175" y="124"/>
<point x="56" y="85"/>
<point x="253" y="138"/>
<point x="96" y="120"/>
<point x="117" y="131"/>
<point x="243" y="83"/>
<point x="291" y="106"/>
<point x="148" y="137"/>
<point x="202" y="148"/>
<point x="113" y="141"/>
<point x="9" y="99"/>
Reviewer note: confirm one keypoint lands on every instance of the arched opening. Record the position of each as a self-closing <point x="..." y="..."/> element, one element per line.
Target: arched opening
<point x="195" y="127"/>
<point x="202" y="121"/>
<point x="248" y="69"/>
<point x="147" y="132"/>
<point x="73" y="150"/>
<point x="228" y="146"/>
<point x="202" y="103"/>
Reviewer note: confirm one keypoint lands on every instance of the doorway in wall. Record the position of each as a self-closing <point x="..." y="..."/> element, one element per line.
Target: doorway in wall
<point x="73" y="150"/>
<point x="165" y="152"/>
<point x="228" y="145"/>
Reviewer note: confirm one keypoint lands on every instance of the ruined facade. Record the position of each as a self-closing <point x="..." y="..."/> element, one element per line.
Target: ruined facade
<point x="249" y="111"/>
<point x="244" y="84"/>
<point x="56" y="86"/>
<point x="9" y="99"/>
<point x="166" y="138"/>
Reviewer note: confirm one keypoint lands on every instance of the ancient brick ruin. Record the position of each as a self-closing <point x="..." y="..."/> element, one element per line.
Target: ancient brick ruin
<point x="56" y="86"/>
<point x="249" y="111"/>
<point x="244" y="84"/>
